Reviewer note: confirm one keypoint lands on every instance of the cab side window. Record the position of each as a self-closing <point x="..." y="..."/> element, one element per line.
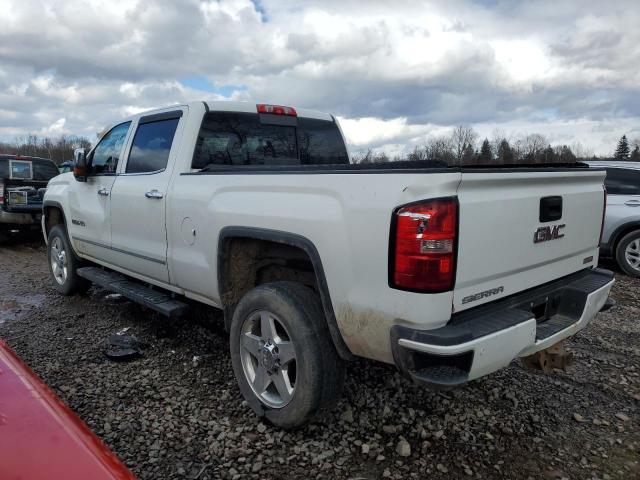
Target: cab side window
<point x="151" y="146"/>
<point x="621" y="181"/>
<point x="107" y="153"/>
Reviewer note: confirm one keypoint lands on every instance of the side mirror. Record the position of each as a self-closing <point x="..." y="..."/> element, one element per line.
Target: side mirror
<point x="80" y="169"/>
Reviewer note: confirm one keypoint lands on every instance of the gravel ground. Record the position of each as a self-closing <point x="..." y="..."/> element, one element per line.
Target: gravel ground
<point x="177" y="413"/>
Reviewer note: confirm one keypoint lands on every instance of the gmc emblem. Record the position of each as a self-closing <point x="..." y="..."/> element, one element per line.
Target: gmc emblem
<point x="544" y="234"/>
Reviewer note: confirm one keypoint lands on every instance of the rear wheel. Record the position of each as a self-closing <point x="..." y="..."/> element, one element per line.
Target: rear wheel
<point x="283" y="358"/>
<point x="63" y="264"/>
<point x="628" y="253"/>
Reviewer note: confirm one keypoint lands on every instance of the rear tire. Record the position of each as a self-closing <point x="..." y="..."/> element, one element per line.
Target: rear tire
<point x="63" y="264"/>
<point x="628" y="253"/>
<point x="283" y="357"/>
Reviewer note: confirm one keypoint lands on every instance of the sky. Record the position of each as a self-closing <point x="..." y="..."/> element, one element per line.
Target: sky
<point x="394" y="73"/>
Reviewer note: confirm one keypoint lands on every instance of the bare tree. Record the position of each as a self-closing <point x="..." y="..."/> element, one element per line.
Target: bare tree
<point x="370" y="157"/>
<point x="564" y="154"/>
<point x="580" y="151"/>
<point x="440" y="148"/>
<point x="419" y="154"/>
<point x="532" y="148"/>
<point x="462" y="138"/>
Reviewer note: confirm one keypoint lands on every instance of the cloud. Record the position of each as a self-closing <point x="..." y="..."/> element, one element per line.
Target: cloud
<point x="396" y="73"/>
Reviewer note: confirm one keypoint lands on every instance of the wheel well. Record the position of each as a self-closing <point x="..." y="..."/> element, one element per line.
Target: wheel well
<point x="620" y="234"/>
<point x="248" y="262"/>
<point x="248" y="257"/>
<point x="52" y="216"/>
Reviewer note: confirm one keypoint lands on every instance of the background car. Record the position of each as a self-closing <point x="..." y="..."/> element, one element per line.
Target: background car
<point x="23" y="181"/>
<point x="66" y="166"/>
<point x="621" y="235"/>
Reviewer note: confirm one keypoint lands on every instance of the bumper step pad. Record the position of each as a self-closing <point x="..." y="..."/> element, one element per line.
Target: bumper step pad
<point x="552" y="326"/>
<point x="441" y="377"/>
<point x="137" y="292"/>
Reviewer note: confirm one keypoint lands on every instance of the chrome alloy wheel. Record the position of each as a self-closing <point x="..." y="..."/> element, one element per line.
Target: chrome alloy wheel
<point x="632" y="254"/>
<point x="268" y="358"/>
<point x="59" y="261"/>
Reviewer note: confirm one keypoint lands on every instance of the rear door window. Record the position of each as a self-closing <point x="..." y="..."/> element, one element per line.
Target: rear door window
<point x="151" y="146"/>
<point x="242" y="139"/>
<point x="622" y="181"/>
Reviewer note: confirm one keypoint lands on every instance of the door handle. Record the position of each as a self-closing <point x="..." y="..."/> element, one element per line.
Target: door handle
<point x="154" y="194"/>
<point x="632" y="203"/>
<point x="103" y="191"/>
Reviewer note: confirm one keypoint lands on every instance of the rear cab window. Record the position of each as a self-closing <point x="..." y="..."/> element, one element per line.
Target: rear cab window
<point x="249" y="139"/>
<point x="44" y="169"/>
<point x="40" y="169"/>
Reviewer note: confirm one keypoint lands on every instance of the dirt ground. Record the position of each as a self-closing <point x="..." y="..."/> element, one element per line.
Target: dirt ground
<point x="176" y="412"/>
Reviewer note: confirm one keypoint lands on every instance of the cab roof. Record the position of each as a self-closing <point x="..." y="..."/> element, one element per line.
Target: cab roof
<point x="235" y="106"/>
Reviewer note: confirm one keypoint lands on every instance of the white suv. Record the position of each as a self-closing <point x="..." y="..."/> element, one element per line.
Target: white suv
<point x="621" y="235"/>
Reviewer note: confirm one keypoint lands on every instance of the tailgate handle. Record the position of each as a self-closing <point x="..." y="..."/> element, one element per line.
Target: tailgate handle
<point x="550" y="208"/>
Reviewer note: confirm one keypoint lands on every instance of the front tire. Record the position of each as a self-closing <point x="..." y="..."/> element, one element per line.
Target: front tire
<point x="63" y="264"/>
<point x="282" y="354"/>
<point x="628" y="253"/>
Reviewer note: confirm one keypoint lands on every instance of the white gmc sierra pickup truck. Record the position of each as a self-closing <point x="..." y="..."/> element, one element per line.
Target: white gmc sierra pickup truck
<point x="448" y="273"/>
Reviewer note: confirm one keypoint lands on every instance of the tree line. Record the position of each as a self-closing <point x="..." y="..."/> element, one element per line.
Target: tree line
<point x="58" y="149"/>
<point x="462" y="147"/>
<point x="623" y="150"/>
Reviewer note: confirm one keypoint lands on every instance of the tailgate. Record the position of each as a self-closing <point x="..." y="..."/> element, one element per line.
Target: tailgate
<point x="23" y="195"/>
<point x="504" y="244"/>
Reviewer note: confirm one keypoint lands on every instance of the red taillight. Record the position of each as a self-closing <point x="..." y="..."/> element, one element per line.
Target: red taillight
<point x="276" y="110"/>
<point x="604" y="210"/>
<point x="425" y="246"/>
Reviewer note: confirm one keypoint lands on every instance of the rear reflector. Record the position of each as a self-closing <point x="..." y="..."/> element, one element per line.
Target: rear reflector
<point x="277" y="110"/>
<point x="425" y="246"/>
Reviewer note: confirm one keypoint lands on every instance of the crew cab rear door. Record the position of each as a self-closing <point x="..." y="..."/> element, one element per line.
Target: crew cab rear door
<point x="139" y="195"/>
<point x="524" y="227"/>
